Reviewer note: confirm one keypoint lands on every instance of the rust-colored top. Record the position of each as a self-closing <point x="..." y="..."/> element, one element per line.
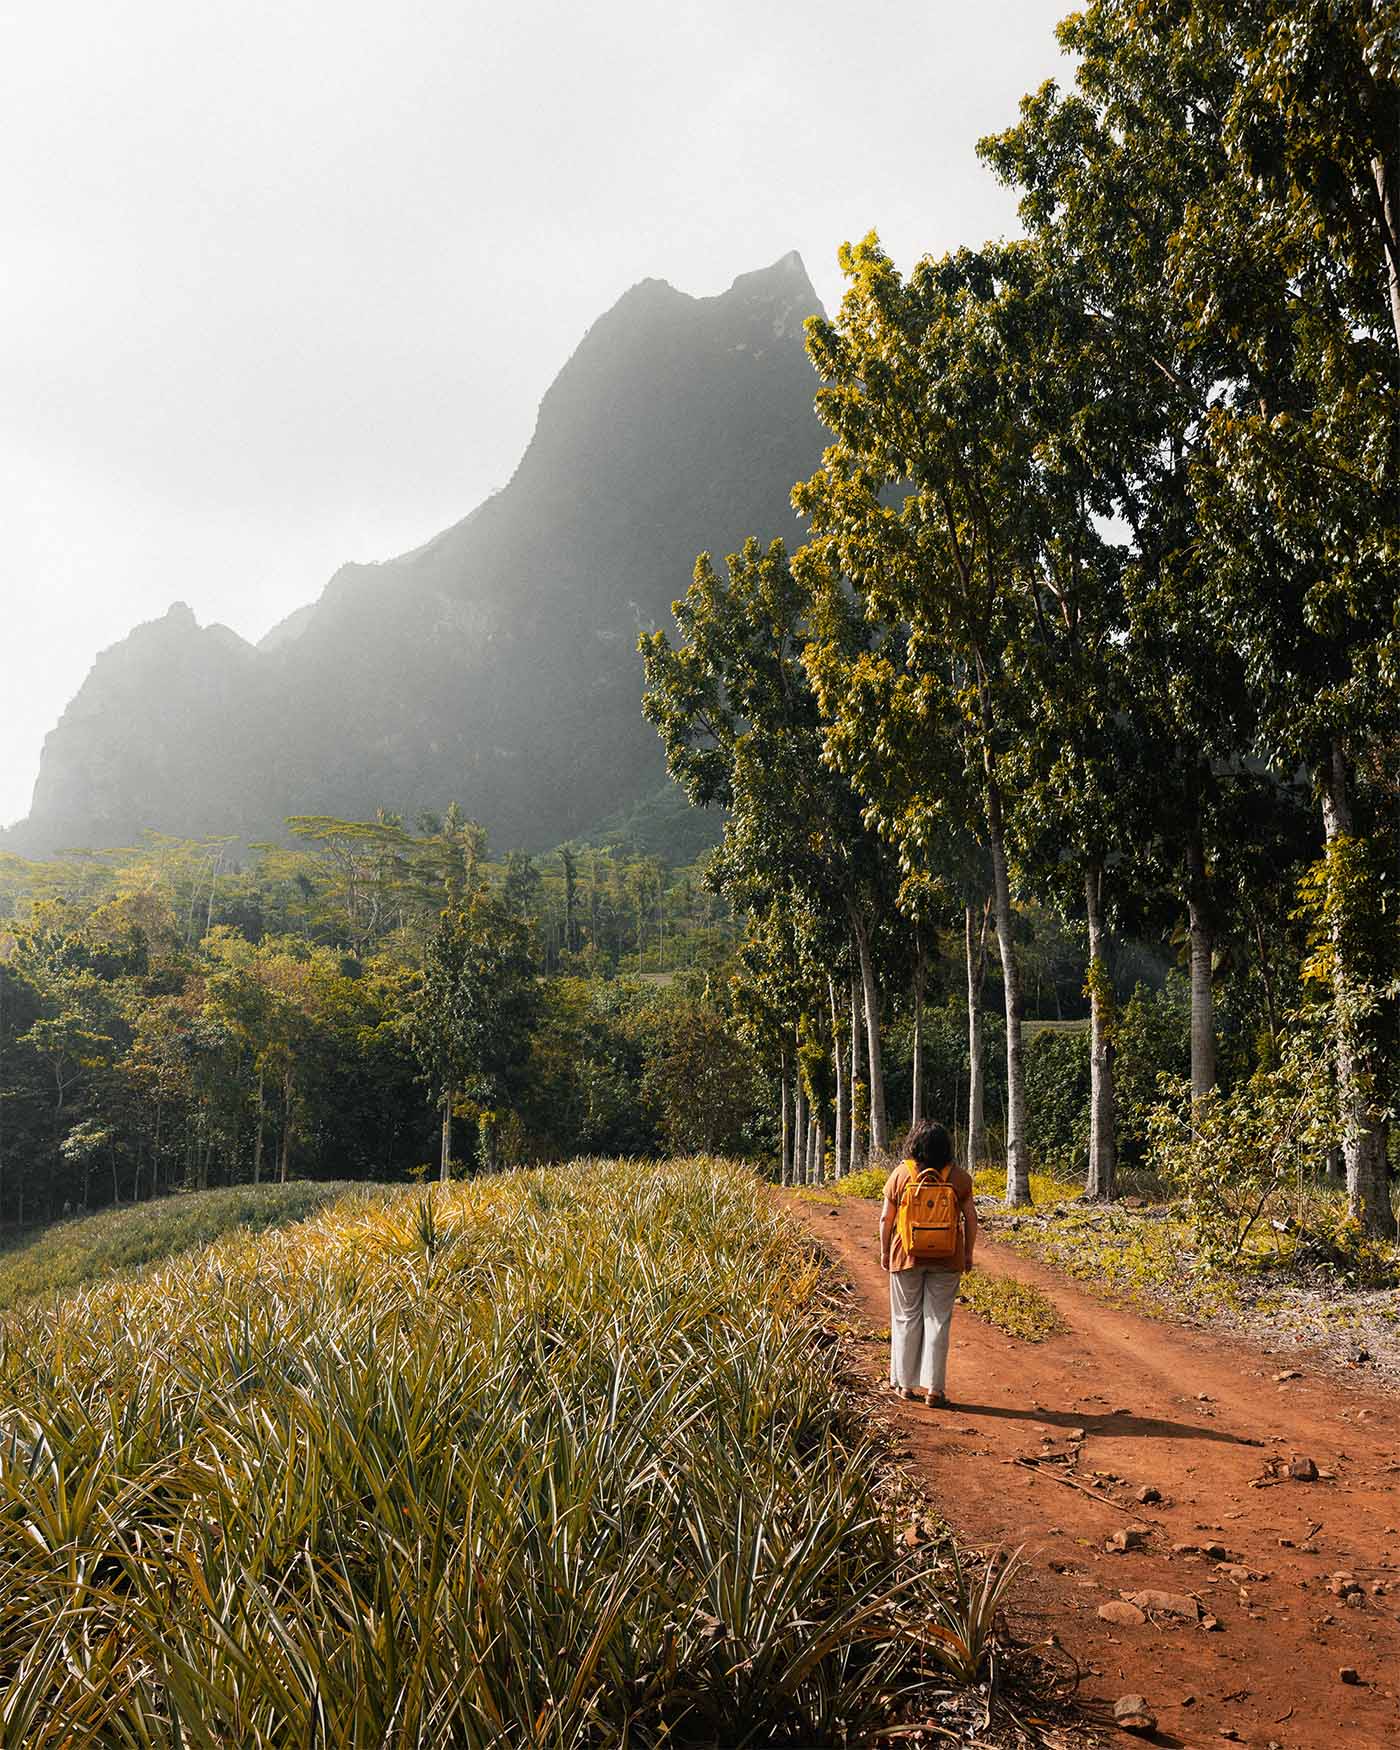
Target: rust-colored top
<point x="961" y="1182"/>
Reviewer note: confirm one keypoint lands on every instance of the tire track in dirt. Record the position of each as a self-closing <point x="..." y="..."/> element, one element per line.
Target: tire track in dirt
<point x="1199" y="1418"/>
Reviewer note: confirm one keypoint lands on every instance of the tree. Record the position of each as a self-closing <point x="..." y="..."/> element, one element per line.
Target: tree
<point x="739" y="720"/>
<point x="959" y="503"/>
<point x="1268" y="138"/>
<point x="476" y="1006"/>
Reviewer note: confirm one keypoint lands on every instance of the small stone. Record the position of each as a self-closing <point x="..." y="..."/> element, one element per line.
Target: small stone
<point x="1302" y="1470"/>
<point x="1348" y="1674"/>
<point x="1165" y="1604"/>
<point x="1288" y="1373"/>
<point x="1379" y="1588"/>
<point x="1285" y="1543"/>
<point x="1132" y="1714"/>
<point x="1129" y="1538"/>
<point x="1237" y="1572"/>
<point x="1340" y="1585"/>
<point x="1203" y="1397"/>
<point x="1147" y="1494"/>
<point x="1119" y="1611"/>
<point x="1211" y="1624"/>
<point x="1075" y="1434"/>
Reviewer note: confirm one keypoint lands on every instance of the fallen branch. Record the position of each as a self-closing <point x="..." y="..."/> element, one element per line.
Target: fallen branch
<point x="1069" y="1483"/>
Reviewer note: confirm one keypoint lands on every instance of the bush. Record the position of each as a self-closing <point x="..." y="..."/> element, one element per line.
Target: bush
<point x="1230" y="1154"/>
<point x="1057" y="1098"/>
<point x="1152" y="1036"/>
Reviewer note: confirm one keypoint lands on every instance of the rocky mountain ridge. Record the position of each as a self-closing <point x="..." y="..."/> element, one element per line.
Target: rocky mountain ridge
<point x="495" y="664"/>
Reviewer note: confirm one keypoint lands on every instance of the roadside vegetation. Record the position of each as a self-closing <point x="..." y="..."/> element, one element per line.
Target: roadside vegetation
<point x="549" y="1458"/>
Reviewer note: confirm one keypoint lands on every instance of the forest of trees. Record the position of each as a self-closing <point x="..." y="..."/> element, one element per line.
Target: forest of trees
<point x="179" y="1015"/>
<point x="1098" y="609"/>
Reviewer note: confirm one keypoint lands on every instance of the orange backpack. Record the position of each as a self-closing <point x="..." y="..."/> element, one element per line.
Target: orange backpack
<point x="928" y="1216"/>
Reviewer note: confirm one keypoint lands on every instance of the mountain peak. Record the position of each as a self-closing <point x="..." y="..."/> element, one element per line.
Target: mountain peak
<point x="496" y="664"/>
<point x="788" y="274"/>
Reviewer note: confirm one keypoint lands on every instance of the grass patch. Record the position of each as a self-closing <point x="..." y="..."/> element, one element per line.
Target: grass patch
<point x="869" y="1183"/>
<point x="550" y="1458"/>
<point x="1046" y="1187"/>
<point x="1141" y="1257"/>
<point x="1018" y="1308"/>
<point x="67" y="1254"/>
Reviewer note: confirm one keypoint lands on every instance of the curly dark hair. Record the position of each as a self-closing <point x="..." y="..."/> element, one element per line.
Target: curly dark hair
<point x="929" y="1144"/>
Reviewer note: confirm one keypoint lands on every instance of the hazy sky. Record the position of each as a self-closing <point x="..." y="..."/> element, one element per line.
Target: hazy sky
<point x="283" y="283"/>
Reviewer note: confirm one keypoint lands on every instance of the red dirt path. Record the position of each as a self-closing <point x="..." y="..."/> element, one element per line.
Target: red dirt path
<point x="1196" y="1417"/>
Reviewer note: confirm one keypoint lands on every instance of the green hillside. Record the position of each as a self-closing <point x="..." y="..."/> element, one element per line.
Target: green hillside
<point x="67" y="1254"/>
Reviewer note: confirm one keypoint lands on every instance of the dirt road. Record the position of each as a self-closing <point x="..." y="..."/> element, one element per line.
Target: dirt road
<point x="1204" y="1422"/>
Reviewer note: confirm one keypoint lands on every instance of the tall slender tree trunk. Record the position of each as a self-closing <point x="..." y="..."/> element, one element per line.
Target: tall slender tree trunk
<point x="879" y="1130"/>
<point x="916" y="1099"/>
<point x="976" y="933"/>
<point x="1387" y="174"/>
<point x="819" y="1156"/>
<point x="1202" y="954"/>
<point x="445" y="1157"/>
<point x="784" y="1127"/>
<point x="1103" y="1111"/>
<point x="258" y="1136"/>
<point x="856" y="1151"/>
<point x="1018" y="1174"/>
<point x="799" y="1126"/>
<point x="841" y="1137"/>
<point x="1363" y="1127"/>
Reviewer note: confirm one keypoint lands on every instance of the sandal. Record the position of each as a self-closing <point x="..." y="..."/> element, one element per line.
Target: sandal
<point x="936" y="1400"/>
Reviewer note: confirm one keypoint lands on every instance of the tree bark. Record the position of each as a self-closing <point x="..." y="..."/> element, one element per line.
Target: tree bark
<point x="916" y="1099"/>
<point x="976" y="1048"/>
<point x="1018" y="1176"/>
<point x="819" y="1155"/>
<point x="799" y="1162"/>
<point x="879" y="1132"/>
<point x="1363" y="1127"/>
<point x="258" y="1136"/>
<point x="856" y="1151"/>
<point x="445" y="1158"/>
<point x="1387" y="174"/>
<point x="1202" y="955"/>
<point x="1103" y="1113"/>
<point x="841" y="1138"/>
<point x="784" y="1137"/>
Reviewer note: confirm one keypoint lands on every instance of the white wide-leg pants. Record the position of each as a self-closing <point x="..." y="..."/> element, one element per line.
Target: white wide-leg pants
<point x="921" y="1318"/>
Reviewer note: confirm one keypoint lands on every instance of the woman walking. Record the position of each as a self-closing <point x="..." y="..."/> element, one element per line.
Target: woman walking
<point x="928" y="1231"/>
